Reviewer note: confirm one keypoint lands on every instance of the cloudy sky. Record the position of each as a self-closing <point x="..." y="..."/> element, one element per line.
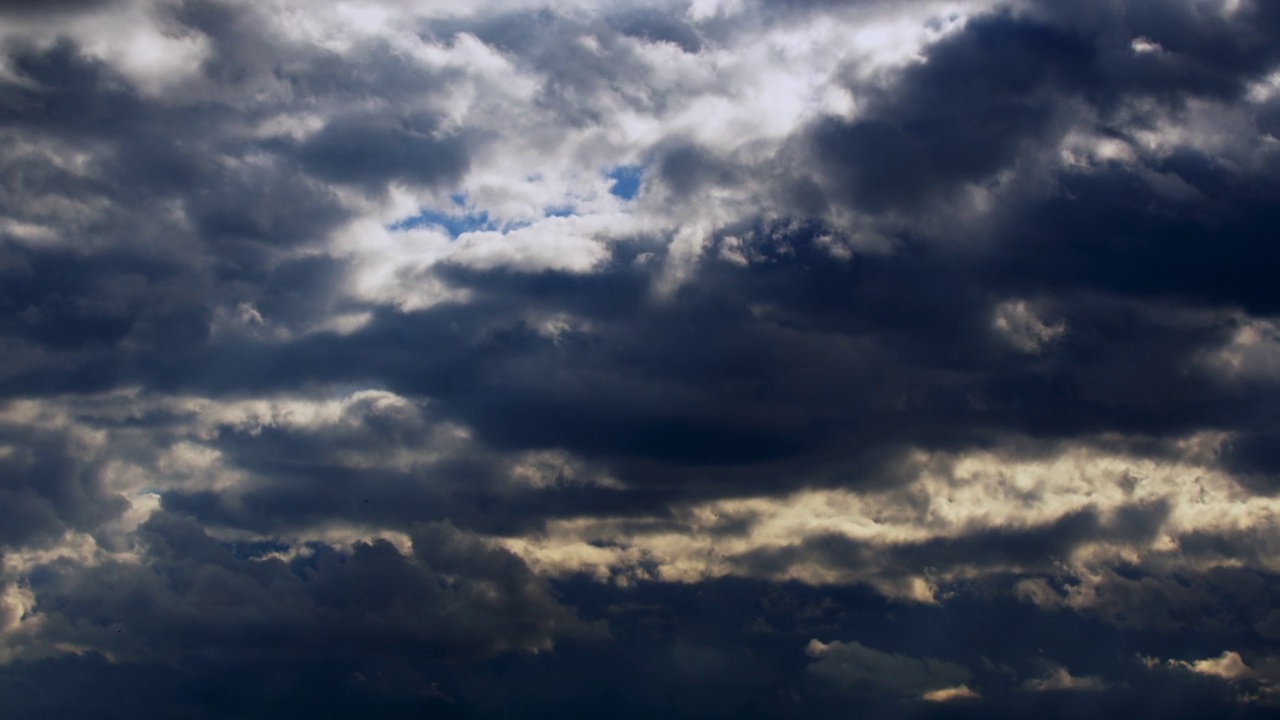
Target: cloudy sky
<point x="678" y="358"/>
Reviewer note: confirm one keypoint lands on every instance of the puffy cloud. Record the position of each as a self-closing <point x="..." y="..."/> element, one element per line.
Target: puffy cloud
<point x="1229" y="666"/>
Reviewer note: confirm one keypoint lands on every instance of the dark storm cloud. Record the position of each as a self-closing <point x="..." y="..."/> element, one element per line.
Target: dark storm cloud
<point x="1111" y="231"/>
<point x="50" y="7"/>
<point x="143" y="156"/>
<point x="1255" y="457"/>
<point x="453" y="597"/>
<point x="1218" y="603"/>
<point x="169" y="251"/>
<point x="856" y="669"/>
<point x="76" y="316"/>
<point x="157" y="229"/>
<point x="866" y="356"/>
<point x="721" y="668"/>
<point x="988" y="98"/>
<point x="1204" y="51"/>
<point x="982" y="98"/>
<point x="48" y="488"/>
<point x="852" y="385"/>
<point x="1035" y="549"/>
<point x="391" y="467"/>
<point x="79" y="100"/>
<point x="891" y="349"/>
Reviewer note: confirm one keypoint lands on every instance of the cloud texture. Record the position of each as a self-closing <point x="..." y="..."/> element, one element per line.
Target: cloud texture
<point x="724" y="358"/>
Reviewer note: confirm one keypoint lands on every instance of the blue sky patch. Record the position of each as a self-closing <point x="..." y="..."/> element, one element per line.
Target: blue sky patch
<point x="455" y="225"/>
<point x="626" y="181"/>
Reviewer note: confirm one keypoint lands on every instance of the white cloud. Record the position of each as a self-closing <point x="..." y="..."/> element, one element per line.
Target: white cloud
<point x="133" y="37"/>
<point x="952" y="694"/>
<point x="1228" y="666"/>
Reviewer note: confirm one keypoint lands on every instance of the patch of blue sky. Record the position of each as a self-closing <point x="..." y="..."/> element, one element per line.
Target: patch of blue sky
<point x="461" y="221"/>
<point x="626" y="181"/>
<point x="454" y="224"/>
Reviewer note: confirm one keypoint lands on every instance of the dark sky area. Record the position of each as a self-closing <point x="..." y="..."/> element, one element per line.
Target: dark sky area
<point x="665" y="359"/>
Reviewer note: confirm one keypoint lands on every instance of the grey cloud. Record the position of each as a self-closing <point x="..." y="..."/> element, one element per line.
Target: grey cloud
<point x="686" y="168"/>
<point x="137" y="228"/>
<point x="855" y="669"/>
<point x="50" y="483"/>
<point x="1035" y="549"/>
<point x="50" y="7"/>
<point x="1205" y="49"/>
<point x="373" y="151"/>
<point x="1152" y="256"/>
<point x="454" y="597"/>
<point x="580" y="84"/>
<point x="644" y="673"/>
<point x="1222" y="601"/>
<point x="983" y="98"/>
<point x="1255" y="458"/>
<point x="989" y="98"/>
<point x="899" y="339"/>
<point x="172" y="213"/>
<point x="657" y="26"/>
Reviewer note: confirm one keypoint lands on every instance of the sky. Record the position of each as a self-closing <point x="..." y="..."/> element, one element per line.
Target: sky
<point x="663" y="359"/>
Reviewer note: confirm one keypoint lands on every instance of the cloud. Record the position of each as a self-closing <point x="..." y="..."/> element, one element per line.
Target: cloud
<point x="453" y="596"/>
<point x="952" y="694"/>
<point x="855" y="669"/>
<point x="959" y="117"/>
<point x="336" y="358"/>
<point x="1255" y="684"/>
<point x="1230" y="666"/>
<point x="1059" y="679"/>
<point x="54" y="481"/>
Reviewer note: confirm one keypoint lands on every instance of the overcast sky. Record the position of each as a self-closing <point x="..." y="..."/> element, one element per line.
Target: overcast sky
<point x="671" y="359"/>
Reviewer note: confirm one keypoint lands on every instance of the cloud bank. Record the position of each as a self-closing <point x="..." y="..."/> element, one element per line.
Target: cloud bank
<point x="724" y="358"/>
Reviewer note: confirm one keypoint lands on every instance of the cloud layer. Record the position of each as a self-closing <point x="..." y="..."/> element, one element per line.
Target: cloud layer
<point x="729" y="358"/>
